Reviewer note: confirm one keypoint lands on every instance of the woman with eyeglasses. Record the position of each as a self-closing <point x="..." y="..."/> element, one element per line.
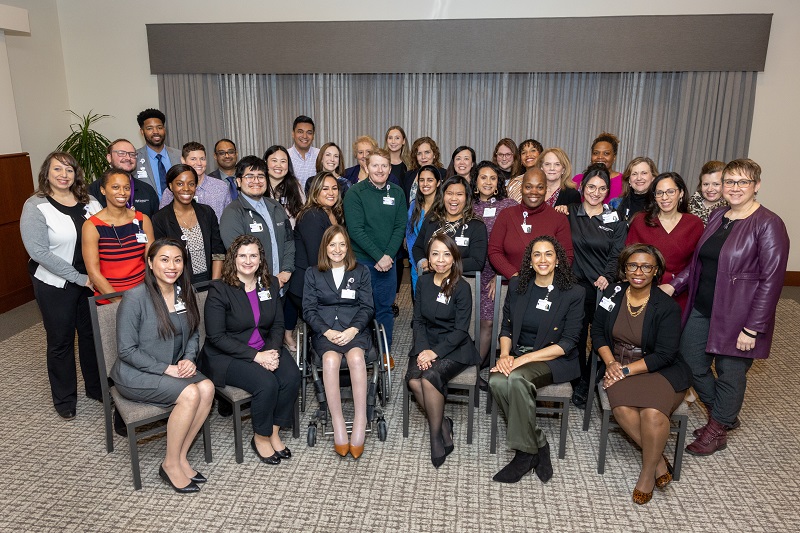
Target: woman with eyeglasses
<point x="636" y="332"/>
<point x="733" y="282"/>
<point x="598" y="236"/>
<point x="708" y="195"/>
<point x="668" y="225"/>
<point x="506" y="157"/>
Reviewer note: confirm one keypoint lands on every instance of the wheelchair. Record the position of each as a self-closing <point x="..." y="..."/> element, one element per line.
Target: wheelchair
<point x="378" y="384"/>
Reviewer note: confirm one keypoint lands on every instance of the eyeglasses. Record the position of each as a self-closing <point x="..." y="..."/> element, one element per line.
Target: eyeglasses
<point x="503" y="156"/>
<point x="254" y="178"/>
<point x="595" y="188"/>
<point x="633" y="267"/>
<point x="225" y="152"/>
<point x="669" y="192"/>
<point x="123" y="153"/>
<point x="742" y="184"/>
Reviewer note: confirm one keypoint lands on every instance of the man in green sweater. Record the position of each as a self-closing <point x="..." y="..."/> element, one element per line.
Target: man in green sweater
<point x="376" y="214"/>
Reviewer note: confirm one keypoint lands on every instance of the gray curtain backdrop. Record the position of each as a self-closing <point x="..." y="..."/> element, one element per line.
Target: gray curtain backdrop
<point x="680" y="119"/>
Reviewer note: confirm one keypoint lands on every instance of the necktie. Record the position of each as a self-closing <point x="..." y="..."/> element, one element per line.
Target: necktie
<point x="162" y="174"/>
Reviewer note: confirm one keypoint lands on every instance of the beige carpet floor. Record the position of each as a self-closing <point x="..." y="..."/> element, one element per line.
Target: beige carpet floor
<point x="55" y="475"/>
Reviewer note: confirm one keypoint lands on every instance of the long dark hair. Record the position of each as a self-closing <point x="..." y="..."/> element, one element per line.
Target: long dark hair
<point x="501" y="193"/>
<point x="438" y="211"/>
<point x="317" y="182"/>
<point x="165" y="326"/>
<point x="449" y="283"/>
<point x="563" y="278"/>
<point x="289" y="187"/>
<point x="419" y="199"/>
<point x="229" y="274"/>
<point x="451" y="168"/>
<point x="652" y="209"/>
<point x="78" y="187"/>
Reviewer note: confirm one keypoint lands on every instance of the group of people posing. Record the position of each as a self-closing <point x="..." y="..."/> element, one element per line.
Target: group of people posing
<point x="668" y="283"/>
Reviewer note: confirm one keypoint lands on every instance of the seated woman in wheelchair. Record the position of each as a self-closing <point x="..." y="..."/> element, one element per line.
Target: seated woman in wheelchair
<point x="636" y="332"/>
<point x="542" y="318"/>
<point x="442" y="347"/>
<point x="244" y="344"/>
<point x="157" y="340"/>
<point x="337" y="306"/>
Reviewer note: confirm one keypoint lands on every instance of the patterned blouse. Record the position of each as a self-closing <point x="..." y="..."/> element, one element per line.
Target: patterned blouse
<point x="698" y="208"/>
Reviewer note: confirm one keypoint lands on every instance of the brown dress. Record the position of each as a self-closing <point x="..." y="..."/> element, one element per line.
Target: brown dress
<point x="650" y="390"/>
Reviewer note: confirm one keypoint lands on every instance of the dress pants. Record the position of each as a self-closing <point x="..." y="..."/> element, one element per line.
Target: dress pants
<point x="723" y="395"/>
<point x="384" y="288"/>
<point x="64" y="311"/>
<point x="516" y="397"/>
<point x="274" y="393"/>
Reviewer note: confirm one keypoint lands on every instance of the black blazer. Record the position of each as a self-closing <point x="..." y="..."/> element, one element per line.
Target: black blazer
<point x="568" y="196"/>
<point x="307" y="241"/>
<point x="443" y="328"/>
<point x="661" y="334"/>
<point x="229" y="324"/>
<point x="473" y="256"/>
<point x="323" y="302"/>
<point x="165" y="224"/>
<point x="561" y="326"/>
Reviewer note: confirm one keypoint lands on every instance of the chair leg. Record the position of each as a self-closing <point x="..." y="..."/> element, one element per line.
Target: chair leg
<point x="562" y="444"/>
<point x="601" y="459"/>
<point x="137" y="476"/>
<point x="473" y="396"/>
<point x="493" y="432"/>
<point x="237" y="431"/>
<point x="683" y="425"/>
<point x="406" y="406"/>
<point x="207" y="440"/>
<point x="296" y="424"/>
<point x="587" y="412"/>
<point x="109" y="427"/>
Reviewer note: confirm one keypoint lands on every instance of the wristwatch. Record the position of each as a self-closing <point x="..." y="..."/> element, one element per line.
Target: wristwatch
<point x="625" y="371"/>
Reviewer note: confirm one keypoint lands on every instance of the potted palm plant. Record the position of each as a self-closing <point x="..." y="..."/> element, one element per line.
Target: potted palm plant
<point x="86" y="145"/>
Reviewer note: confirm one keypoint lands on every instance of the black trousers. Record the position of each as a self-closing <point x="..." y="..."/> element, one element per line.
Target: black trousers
<point x="589" y="306"/>
<point x="64" y="311"/>
<point x="274" y="393"/>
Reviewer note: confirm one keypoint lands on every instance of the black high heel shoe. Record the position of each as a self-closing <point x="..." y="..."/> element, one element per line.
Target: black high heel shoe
<point x="273" y="459"/>
<point x="285" y="453"/>
<point x="449" y="449"/>
<point x="198" y="478"/>
<point x="188" y="489"/>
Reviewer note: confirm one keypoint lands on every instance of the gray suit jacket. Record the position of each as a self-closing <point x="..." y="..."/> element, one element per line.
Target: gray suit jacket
<point x="143" y="354"/>
<point x="144" y="170"/>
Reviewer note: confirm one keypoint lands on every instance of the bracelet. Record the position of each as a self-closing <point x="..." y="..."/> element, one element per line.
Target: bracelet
<point x="751" y="335"/>
<point x="612" y="362"/>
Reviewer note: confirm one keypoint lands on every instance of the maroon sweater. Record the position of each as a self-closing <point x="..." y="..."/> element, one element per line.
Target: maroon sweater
<point x="507" y="242"/>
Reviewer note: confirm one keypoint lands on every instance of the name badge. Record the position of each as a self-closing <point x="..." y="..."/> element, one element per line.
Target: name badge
<point x="610" y="217"/>
<point x="256" y="227"/>
<point x="544" y="305"/>
<point x="462" y="241"/>
<point x="388" y="200"/>
<point x="264" y="296"/>
<point x="489" y="211"/>
<point x="180" y="307"/>
<point x="141" y="237"/>
<point x="87" y="215"/>
<point x="350" y="294"/>
<point x="607" y="304"/>
<point x="141" y="174"/>
<point x="526" y="228"/>
<point x="442" y="299"/>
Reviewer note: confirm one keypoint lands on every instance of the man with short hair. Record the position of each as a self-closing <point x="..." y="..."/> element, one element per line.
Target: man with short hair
<point x="254" y="214"/>
<point x="154" y="158"/>
<point x="122" y="155"/>
<point x="303" y="155"/>
<point x="211" y="192"/>
<point x="226" y="155"/>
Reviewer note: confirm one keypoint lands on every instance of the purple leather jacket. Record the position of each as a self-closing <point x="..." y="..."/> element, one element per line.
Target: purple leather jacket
<point x="750" y="275"/>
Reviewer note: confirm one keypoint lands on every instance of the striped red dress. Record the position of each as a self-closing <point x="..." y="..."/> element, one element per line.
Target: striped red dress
<point x="121" y="256"/>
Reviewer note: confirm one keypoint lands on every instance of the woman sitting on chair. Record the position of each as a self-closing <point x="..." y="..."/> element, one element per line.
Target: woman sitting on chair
<point x="442" y="347"/>
<point x="539" y="333"/>
<point x="636" y="332"/>
<point x="244" y="338"/>
<point x="337" y="305"/>
<point x="158" y="341"/>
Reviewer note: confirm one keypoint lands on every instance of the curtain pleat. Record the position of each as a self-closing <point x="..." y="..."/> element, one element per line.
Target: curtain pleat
<point x="680" y="119"/>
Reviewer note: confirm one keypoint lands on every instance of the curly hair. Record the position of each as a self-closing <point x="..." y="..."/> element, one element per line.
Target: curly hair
<point x="434" y="148"/>
<point x="563" y="278"/>
<point x="501" y="193"/>
<point x="229" y="274"/>
<point x="315" y="187"/>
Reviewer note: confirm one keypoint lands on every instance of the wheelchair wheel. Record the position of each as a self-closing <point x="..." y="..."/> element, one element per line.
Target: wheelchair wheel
<point x="383" y="430"/>
<point x="312" y="436"/>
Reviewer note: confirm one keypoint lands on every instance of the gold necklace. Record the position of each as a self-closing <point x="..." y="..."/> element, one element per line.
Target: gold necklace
<point x="628" y="303"/>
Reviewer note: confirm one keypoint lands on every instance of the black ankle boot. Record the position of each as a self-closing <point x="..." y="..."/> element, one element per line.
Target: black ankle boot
<point x="545" y="468"/>
<point x="521" y="464"/>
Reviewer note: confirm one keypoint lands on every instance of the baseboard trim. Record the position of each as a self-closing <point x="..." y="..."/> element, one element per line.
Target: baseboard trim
<point x="792" y="278"/>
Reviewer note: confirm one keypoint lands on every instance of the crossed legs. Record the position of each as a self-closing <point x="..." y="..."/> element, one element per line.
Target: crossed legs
<point x="432" y="403"/>
<point x="186" y="419"/>
<point x="649" y="428"/>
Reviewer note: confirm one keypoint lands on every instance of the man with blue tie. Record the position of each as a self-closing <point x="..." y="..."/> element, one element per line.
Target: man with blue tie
<point x="226" y="155"/>
<point x="154" y="159"/>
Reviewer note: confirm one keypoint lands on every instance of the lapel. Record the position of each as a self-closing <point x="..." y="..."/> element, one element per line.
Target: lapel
<point x="328" y="275"/>
<point x="518" y="310"/>
<point x="649" y="318"/>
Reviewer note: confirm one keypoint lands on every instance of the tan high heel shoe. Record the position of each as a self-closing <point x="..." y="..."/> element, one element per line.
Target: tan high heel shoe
<point x="356" y="451"/>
